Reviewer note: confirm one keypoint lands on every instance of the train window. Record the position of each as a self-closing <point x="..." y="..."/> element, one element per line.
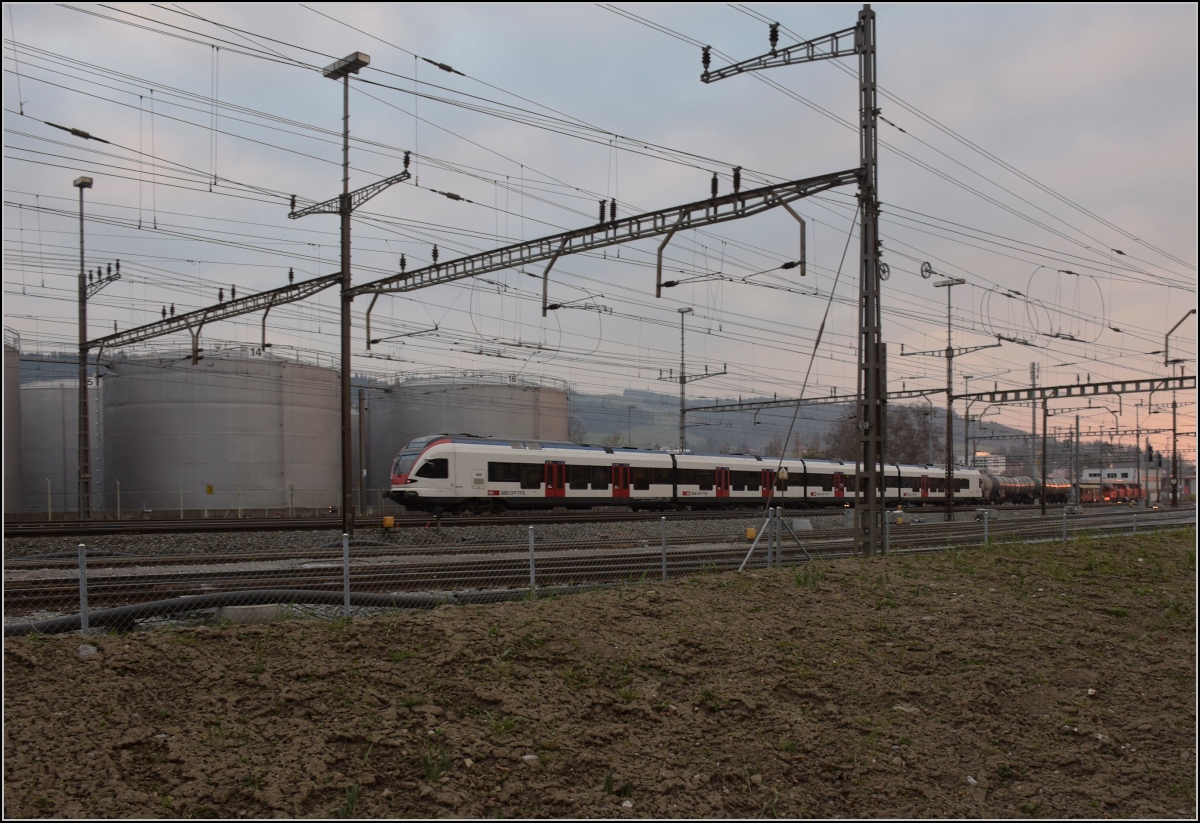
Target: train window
<point x="705" y="479"/>
<point x="641" y="478"/>
<point x="577" y="476"/>
<point x="504" y="472"/>
<point x="862" y="484"/>
<point x="781" y="483"/>
<point x="893" y="482"/>
<point x="660" y="477"/>
<point x="913" y="484"/>
<point x="825" y="481"/>
<point x="740" y="480"/>
<point x="404" y="462"/>
<point x="517" y="445"/>
<point x="689" y="477"/>
<point x="531" y="475"/>
<point x="600" y="475"/>
<point x="436" y="469"/>
<point x="962" y="484"/>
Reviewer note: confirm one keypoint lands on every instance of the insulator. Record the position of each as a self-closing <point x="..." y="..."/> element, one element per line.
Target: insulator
<point x="118" y="267"/>
<point x="114" y="327"/>
<point x="603" y="205"/>
<point x="291" y="275"/>
<point x="172" y="309"/>
<point x="435" y="254"/>
<point x="737" y="178"/>
<point x="164" y="312"/>
<point x="407" y="159"/>
<point x="109" y="270"/>
<point x="233" y="292"/>
<point x="403" y="263"/>
<point x="220" y="295"/>
<point x="774" y="36"/>
<point x="612" y="210"/>
<point x="705" y="57"/>
<point x="90" y="276"/>
<point x="714" y="184"/>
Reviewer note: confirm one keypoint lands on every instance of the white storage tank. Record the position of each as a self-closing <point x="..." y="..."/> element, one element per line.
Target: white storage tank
<point x="12" y="429"/>
<point x="236" y="430"/>
<point x="490" y="405"/>
<point x="50" y="447"/>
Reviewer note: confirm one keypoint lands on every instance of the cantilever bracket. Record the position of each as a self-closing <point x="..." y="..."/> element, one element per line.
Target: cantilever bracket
<point x="546" y="275"/>
<point x="661" y="246"/>
<point x="354" y="199"/>
<point x="803" y="245"/>
<point x="196" y="337"/>
<point x="369" y="309"/>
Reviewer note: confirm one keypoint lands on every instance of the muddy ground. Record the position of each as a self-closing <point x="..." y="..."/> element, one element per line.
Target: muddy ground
<point x="1048" y="680"/>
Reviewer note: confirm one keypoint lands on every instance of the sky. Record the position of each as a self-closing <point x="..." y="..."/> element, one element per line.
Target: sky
<point x="1019" y="141"/>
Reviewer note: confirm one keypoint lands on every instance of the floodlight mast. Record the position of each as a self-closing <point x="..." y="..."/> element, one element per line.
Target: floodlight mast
<point x="872" y="371"/>
<point x="84" y="490"/>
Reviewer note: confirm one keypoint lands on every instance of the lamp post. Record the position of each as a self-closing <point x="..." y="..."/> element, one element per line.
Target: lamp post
<point x="341" y="70"/>
<point x="84" y="442"/>
<point x="1174" y="409"/>
<point x="629" y="425"/>
<point x="947" y="284"/>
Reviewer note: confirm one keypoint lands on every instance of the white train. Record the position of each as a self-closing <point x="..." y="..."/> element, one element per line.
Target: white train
<point x="456" y="473"/>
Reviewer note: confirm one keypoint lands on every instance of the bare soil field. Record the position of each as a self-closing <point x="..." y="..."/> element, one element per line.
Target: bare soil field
<point x="1046" y="680"/>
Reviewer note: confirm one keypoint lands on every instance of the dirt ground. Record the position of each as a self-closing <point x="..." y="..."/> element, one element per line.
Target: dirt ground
<point x="1048" y="680"/>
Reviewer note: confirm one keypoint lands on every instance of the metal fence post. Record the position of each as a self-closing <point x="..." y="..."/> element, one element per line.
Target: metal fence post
<point x="532" y="572"/>
<point x="83" y="604"/>
<point x="181" y="502"/>
<point x="986" y="536"/>
<point x="118" y="499"/>
<point x="887" y="532"/>
<point x="345" y="574"/>
<point x="49" y="501"/>
<point x="291" y="500"/>
<point x="1135" y="522"/>
<point x="1064" y="525"/>
<point x="664" y="548"/>
<point x="239" y="501"/>
<point x="770" y="534"/>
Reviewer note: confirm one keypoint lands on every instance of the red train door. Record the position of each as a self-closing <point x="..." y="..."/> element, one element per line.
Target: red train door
<point x="767" y="482"/>
<point x="620" y="480"/>
<point x="555" y="475"/>
<point x="924" y="487"/>
<point x="839" y="484"/>
<point x="722" y="482"/>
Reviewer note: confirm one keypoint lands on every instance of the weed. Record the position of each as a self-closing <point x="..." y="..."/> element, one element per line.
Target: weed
<point x="525" y="643"/>
<point x="787" y="746"/>
<point x="203" y="813"/>
<point x="259" y="650"/>
<point x="627" y="694"/>
<point x="435" y="762"/>
<point x="400" y="655"/>
<point x="626" y="789"/>
<point x="807" y="577"/>
<point x="608" y="783"/>
<point x="500" y="726"/>
<point x="409" y="702"/>
<point x="168" y="801"/>
<point x="710" y="701"/>
<point x="213" y="731"/>
<point x="1117" y="612"/>
<point x="42" y="802"/>
<point x="346" y="810"/>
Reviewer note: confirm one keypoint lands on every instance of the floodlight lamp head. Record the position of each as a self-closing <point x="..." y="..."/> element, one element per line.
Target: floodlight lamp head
<point x="82" y="183"/>
<point x="347" y="65"/>
<point x="688" y="310"/>
<point x="949" y="281"/>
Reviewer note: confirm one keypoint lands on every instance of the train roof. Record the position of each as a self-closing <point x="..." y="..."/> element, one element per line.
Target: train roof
<point x="476" y="439"/>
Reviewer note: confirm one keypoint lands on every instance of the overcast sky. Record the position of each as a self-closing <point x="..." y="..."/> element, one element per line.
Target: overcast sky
<point x="1094" y="106"/>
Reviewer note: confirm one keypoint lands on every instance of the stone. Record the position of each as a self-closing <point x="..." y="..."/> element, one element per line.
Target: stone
<point x="251" y="615"/>
<point x="86" y="649"/>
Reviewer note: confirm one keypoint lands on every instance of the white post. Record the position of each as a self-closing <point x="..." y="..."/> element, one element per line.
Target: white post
<point x="664" y="548"/>
<point x="49" y="502"/>
<point x="118" y="499"/>
<point x="345" y="574"/>
<point x="83" y="604"/>
<point x="532" y="574"/>
<point x="1064" y="525"/>
<point x="181" y="502"/>
<point x="986" y="540"/>
<point x="1135" y="522"/>
<point x="291" y="500"/>
<point x="239" y="501"/>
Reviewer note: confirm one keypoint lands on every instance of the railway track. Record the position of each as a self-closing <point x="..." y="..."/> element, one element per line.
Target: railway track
<point x="52" y="583"/>
<point x="83" y="528"/>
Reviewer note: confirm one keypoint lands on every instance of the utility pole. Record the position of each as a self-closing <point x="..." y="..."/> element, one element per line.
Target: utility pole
<point x="1075" y="462"/>
<point x="1137" y="442"/>
<point x="1033" y="422"/>
<point x="1045" y="421"/>
<point x="344" y="205"/>
<point x="872" y="369"/>
<point x="684" y="379"/>
<point x="84" y="442"/>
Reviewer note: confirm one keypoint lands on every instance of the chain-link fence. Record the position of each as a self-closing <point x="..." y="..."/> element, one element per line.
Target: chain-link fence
<point x="120" y="582"/>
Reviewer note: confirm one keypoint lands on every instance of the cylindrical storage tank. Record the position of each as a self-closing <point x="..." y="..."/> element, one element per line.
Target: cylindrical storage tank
<point x="235" y="432"/>
<point x="12" y="430"/>
<point x="50" y="447"/>
<point x="501" y="406"/>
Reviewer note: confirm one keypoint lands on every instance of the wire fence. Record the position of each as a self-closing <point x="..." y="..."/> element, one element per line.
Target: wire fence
<point x="132" y="581"/>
